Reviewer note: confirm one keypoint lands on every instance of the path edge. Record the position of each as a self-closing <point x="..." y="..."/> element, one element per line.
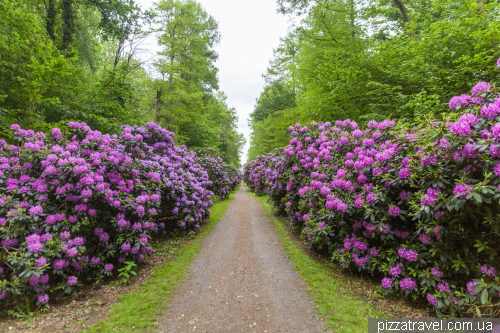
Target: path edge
<point x="125" y="318"/>
<point x="339" y="310"/>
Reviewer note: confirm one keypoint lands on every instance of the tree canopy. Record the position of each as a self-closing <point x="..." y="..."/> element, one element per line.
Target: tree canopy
<point x="373" y="60"/>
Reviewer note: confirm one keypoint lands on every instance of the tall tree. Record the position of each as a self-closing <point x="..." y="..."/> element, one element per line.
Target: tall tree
<point x="186" y="70"/>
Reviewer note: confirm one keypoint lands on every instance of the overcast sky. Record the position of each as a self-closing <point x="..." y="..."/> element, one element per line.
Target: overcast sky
<point x="249" y="32"/>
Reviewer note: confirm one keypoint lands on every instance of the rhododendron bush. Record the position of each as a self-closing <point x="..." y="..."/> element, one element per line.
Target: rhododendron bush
<point x="254" y="174"/>
<point x="416" y="206"/>
<point x="216" y="169"/>
<point x="235" y="176"/>
<point x="78" y="204"/>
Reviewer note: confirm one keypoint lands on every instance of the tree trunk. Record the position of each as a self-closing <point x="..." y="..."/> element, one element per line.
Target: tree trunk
<point x="51" y="19"/>
<point x="68" y="22"/>
<point x="353" y="33"/>
<point x="403" y="10"/>
<point x="118" y="54"/>
<point x="158" y="104"/>
<point x="481" y="9"/>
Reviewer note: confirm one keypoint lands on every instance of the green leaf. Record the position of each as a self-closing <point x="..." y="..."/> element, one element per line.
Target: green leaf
<point x="477" y="197"/>
<point x="484" y="296"/>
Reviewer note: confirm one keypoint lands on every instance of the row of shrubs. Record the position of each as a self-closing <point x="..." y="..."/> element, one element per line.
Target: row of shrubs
<point x="414" y="205"/>
<point x="226" y="177"/>
<point x="78" y="204"/>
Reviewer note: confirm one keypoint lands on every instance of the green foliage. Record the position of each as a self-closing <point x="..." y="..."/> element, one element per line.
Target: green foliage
<point x="127" y="271"/>
<point x="24" y="312"/>
<point x="186" y="98"/>
<point x="275" y="109"/>
<point x="277" y="96"/>
<point x="68" y="60"/>
<point x="32" y="76"/>
<point x="187" y="37"/>
<point x="363" y="61"/>
<point x="270" y="133"/>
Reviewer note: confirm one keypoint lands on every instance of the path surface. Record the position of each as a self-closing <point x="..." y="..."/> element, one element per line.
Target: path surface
<point x="242" y="281"/>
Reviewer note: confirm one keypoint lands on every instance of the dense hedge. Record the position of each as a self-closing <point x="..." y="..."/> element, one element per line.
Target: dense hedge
<point x="415" y="205"/>
<point x="79" y="204"/>
<point x="235" y="176"/>
<point x="218" y="172"/>
<point x="254" y="174"/>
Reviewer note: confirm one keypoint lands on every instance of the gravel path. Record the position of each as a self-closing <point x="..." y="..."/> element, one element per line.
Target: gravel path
<point x="242" y="281"/>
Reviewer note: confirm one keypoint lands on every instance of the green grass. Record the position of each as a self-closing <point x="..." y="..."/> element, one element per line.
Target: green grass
<point x="138" y="310"/>
<point x="341" y="311"/>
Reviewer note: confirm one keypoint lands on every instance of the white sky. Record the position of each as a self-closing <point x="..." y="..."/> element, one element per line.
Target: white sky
<point x="249" y="32"/>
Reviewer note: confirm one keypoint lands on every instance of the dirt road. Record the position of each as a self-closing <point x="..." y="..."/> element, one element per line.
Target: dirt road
<point x="242" y="281"/>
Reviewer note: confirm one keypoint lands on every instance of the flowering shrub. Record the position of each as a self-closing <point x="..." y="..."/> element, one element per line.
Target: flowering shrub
<point x="80" y="204"/>
<point x="235" y="176"/>
<point x="216" y="169"/>
<point x="417" y="206"/>
<point x="254" y="174"/>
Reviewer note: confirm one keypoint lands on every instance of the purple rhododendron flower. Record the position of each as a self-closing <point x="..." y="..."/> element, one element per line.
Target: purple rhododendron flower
<point x="35" y="247"/>
<point x="59" y="264"/>
<point x="407" y="283"/>
<point x="436" y="272"/>
<point x="370" y="197"/>
<point x="491" y="111"/>
<point x="34" y="280"/>
<point x="72" y="252"/>
<point x="471" y="286"/>
<point x="424" y="238"/>
<point x="411" y="255"/>
<point x="395" y="271"/>
<point x="443" y="286"/>
<point x="44" y="279"/>
<point x="41" y="261"/>
<point x="36" y="210"/>
<point x="386" y="283"/>
<point x="405" y="173"/>
<point x="72" y="280"/>
<point x="394" y="211"/>
<point x="43" y="299"/>
<point x="125" y="247"/>
<point x="480" y="87"/>
<point x="462" y="188"/>
<point x="432" y="300"/>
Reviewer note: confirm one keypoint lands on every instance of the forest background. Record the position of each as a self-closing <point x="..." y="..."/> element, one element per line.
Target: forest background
<point x="363" y="60"/>
<point x="79" y="60"/>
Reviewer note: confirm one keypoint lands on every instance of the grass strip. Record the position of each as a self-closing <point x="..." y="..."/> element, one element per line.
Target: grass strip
<point x="342" y="311"/>
<point x="138" y="311"/>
